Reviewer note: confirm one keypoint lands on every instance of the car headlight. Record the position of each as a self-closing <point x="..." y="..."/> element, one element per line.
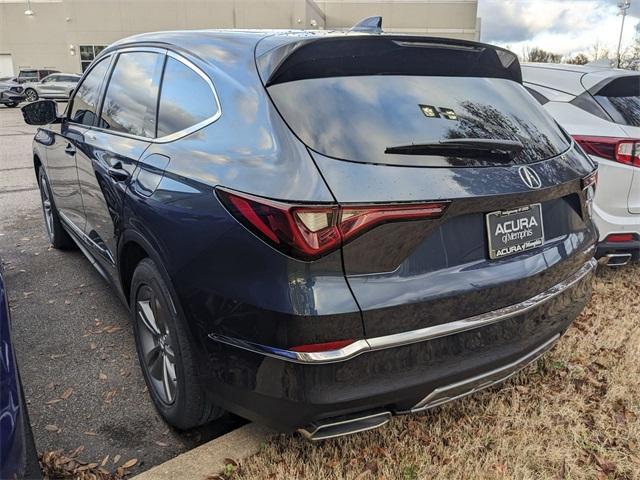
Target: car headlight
<point x="16" y="89"/>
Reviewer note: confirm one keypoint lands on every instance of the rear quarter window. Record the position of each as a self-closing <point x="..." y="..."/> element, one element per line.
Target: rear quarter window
<point x="186" y="99"/>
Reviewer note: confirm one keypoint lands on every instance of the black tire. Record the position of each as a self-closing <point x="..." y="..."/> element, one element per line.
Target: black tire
<point x="58" y="236"/>
<point x="31" y="95"/>
<point x="164" y="344"/>
<point x="12" y="105"/>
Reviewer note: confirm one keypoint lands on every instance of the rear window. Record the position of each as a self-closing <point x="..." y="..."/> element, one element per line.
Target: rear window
<point x="358" y="117"/>
<point x="621" y="100"/>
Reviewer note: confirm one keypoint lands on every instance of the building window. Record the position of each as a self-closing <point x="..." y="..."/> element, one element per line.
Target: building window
<point x="88" y="53"/>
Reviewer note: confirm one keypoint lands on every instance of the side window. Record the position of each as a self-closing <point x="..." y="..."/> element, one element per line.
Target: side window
<point x="85" y="102"/>
<point x="186" y="99"/>
<point x="132" y="94"/>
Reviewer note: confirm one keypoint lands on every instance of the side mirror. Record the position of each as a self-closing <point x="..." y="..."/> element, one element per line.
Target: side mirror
<point x="41" y="112"/>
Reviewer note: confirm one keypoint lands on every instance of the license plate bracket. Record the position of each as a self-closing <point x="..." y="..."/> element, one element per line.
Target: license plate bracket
<point x="514" y="231"/>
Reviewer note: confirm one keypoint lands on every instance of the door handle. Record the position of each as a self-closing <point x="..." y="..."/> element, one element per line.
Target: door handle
<point x="118" y="173"/>
<point x="70" y="149"/>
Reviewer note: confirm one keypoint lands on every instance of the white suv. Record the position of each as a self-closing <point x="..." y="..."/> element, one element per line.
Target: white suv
<point x="600" y="108"/>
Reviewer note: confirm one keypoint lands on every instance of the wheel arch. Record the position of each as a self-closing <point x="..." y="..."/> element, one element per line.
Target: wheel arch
<point x="133" y="248"/>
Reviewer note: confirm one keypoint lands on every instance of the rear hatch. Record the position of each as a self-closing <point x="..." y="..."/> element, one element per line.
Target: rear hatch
<point x="392" y="119"/>
<point x="619" y="96"/>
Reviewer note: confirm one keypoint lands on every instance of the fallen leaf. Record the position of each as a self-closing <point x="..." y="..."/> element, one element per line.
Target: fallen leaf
<point x="102" y="376"/>
<point x="129" y="463"/>
<point x="91" y="434"/>
<point x="67" y="393"/>
<point x="116" y="459"/>
<point x="605" y="465"/>
<point x="51" y="428"/>
<point x="55" y="400"/>
<point x="93" y="345"/>
<point x="161" y="444"/>
<point x="104" y="461"/>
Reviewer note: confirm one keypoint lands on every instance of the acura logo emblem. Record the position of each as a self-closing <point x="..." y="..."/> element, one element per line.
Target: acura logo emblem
<point x="530" y="177"/>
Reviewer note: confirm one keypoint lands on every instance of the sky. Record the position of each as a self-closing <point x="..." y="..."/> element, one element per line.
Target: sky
<point x="566" y="27"/>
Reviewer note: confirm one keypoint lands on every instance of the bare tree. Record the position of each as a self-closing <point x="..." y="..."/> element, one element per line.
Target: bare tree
<point x="536" y="54"/>
<point x="630" y="56"/>
<point x="578" y="59"/>
<point x="599" y="52"/>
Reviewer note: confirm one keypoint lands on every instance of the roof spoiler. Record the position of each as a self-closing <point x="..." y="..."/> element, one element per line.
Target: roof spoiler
<point x="352" y="54"/>
<point x="369" y="24"/>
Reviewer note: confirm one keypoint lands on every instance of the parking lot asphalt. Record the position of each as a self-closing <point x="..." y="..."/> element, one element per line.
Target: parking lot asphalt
<point x="73" y="338"/>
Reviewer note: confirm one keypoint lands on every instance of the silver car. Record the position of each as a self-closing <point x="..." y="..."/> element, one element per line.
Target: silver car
<point x="56" y="86"/>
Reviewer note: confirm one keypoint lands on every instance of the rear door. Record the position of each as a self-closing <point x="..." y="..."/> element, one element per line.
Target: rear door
<point x="111" y="149"/>
<point x="403" y="120"/>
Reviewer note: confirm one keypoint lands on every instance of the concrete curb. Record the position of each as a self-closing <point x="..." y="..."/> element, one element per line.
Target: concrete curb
<point x="208" y="459"/>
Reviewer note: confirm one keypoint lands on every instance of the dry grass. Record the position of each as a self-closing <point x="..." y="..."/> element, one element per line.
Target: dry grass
<point x="574" y="415"/>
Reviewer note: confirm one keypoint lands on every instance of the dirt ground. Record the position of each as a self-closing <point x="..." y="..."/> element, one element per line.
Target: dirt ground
<point x="573" y="415"/>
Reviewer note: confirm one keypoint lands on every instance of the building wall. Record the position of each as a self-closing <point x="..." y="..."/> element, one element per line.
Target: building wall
<point x="52" y="36"/>
<point x="442" y="18"/>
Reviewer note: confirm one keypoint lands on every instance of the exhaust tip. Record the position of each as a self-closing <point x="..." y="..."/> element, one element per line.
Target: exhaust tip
<point x="341" y="426"/>
<point x="617" y="259"/>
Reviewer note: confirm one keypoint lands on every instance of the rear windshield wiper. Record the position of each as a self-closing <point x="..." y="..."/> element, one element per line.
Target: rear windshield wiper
<point x="494" y="149"/>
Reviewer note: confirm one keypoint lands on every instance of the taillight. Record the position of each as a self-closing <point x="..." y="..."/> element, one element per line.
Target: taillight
<point x="620" y="237"/>
<point x="622" y="150"/>
<point x="322" y="347"/>
<point x="310" y="231"/>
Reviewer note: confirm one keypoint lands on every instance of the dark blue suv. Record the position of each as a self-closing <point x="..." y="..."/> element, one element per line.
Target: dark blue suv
<point x="320" y="230"/>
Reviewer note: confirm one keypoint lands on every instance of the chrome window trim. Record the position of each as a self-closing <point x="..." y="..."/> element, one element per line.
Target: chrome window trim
<point x="181" y="133"/>
<point x="413" y="336"/>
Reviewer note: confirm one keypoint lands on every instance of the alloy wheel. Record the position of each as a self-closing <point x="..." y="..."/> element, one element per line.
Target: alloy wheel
<point x="47" y="207"/>
<point x="31" y="95"/>
<point x="156" y="344"/>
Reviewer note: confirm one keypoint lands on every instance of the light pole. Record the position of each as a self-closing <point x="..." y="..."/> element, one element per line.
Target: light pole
<point x="623" y="5"/>
<point x="28" y="12"/>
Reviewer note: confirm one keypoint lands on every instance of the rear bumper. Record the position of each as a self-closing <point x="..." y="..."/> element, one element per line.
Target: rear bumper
<point x="395" y="373"/>
<point x="627" y="251"/>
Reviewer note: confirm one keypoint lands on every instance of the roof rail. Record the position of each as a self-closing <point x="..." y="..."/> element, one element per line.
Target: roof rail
<point x="369" y="24"/>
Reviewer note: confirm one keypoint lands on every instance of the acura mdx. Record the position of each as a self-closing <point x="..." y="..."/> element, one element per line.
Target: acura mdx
<point x="320" y="230"/>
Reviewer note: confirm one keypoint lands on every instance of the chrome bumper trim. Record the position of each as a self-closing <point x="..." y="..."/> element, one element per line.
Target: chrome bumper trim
<point x="471" y="385"/>
<point x="413" y="336"/>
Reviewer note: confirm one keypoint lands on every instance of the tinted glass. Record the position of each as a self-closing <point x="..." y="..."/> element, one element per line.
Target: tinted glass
<point x="85" y="102"/>
<point x="51" y="78"/>
<point x="357" y="118"/>
<point x="132" y="94"/>
<point x="621" y="99"/>
<point x="185" y="100"/>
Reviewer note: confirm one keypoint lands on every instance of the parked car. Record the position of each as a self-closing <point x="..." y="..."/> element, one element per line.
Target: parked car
<point x="11" y="93"/>
<point x="33" y="74"/>
<point x="55" y="86"/>
<point x="319" y="230"/>
<point x="600" y="108"/>
<point x="18" y="455"/>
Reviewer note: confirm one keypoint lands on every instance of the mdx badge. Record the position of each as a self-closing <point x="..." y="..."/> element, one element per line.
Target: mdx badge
<point x="530" y="177"/>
